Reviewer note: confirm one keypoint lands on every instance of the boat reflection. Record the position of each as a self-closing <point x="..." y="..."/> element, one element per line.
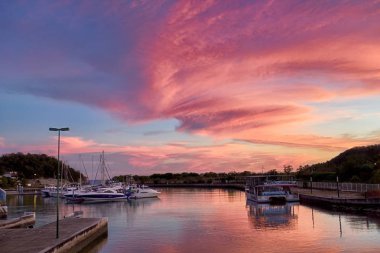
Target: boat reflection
<point x="141" y="203"/>
<point x="96" y="246"/>
<point x="267" y="216"/>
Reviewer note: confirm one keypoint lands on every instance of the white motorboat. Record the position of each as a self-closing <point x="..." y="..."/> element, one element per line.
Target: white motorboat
<point x="143" y="191"/>
<point x="46" y="191"/>
<point x="51" y="191"/>
<point x="271" y="189"/>
<point x="100" y="195"/>
<point x="271" y="192"/>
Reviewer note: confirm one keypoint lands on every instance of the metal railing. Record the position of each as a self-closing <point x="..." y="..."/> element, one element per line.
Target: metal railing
<point x="349" y="187"/>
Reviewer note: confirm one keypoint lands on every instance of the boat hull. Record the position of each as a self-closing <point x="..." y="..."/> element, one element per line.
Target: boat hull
<point x="102" y="200"/>
<point x="95" y="198"/>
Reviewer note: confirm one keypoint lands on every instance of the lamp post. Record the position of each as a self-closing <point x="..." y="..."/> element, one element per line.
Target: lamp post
<point x="59" y="140"/>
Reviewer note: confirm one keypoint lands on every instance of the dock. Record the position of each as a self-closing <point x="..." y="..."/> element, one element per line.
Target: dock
<point x="74" y="235"/>
<point x="330" y="198"/>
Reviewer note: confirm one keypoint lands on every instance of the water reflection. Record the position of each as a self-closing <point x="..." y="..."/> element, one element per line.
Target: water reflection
<point x="141" y="203"/>
<point x="266" y="216"/>
<point x="353" y="221"/>
<point x="213" y="220"/>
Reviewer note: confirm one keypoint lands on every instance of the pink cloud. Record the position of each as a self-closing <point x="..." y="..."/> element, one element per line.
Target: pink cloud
<point x="239" y="155"/>
<point x="210" y="69"/>
<point x="222" y="58"/>
<point x="247" y="70"/>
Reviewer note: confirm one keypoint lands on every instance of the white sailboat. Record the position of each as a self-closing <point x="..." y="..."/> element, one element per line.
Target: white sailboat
<point x="101" y="193"/>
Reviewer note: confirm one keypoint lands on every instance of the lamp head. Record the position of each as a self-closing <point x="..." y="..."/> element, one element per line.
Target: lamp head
<point x="59" y="129"/>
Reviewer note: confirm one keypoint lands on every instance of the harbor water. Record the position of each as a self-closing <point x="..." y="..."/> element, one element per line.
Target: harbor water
<point x="212" y="220"/>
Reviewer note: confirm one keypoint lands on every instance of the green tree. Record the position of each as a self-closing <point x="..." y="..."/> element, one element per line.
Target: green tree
<point x="271" y="172"/>
<point x="27" y="165"/>
<point x="288" y="169"/>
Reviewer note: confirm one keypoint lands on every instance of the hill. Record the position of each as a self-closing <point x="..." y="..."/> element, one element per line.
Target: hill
<point x="358" y="164"/>
<point x="29" y="166"/>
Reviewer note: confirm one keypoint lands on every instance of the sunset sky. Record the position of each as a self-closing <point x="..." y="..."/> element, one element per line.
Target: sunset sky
<point x="174" y="86"/>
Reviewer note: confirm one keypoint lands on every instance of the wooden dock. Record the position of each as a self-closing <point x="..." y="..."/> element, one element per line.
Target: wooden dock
<point x="74" y="235"/>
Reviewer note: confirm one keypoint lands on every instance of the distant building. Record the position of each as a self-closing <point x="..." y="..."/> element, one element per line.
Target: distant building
<point x="11" y="174"/>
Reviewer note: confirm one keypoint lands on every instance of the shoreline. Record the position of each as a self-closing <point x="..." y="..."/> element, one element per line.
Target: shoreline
<point x="240" y="187"/>
<point x="347" y="201"/>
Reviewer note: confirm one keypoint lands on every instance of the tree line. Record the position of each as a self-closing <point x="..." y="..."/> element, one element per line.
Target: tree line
<point x="358" y="164"/>
<point x="30" y="166"/>
<point x="197" y="178"/>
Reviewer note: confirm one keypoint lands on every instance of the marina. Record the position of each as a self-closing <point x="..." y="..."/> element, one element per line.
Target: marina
<point x="204" y="220"/>
<point x="179" y="126"/>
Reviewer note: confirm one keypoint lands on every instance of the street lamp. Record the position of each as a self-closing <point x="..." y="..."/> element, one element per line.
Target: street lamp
<point x="59" y="140"/>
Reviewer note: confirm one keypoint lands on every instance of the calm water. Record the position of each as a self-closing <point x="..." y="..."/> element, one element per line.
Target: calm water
<point x="203" y="220"/>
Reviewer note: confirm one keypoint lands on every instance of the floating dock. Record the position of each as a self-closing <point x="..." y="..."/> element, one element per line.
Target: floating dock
<point x="74" y="235"/>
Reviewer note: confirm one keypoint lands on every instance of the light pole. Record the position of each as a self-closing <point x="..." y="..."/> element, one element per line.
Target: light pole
<point x="59" y="140"/>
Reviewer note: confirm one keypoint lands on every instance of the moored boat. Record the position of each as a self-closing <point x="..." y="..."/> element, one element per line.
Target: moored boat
<point x="274" y="193"/>
<point x="271" y="189"/>
<point x="101" y="195"/>
<point x="51" y="191"/>
<point x="143" y="191"/>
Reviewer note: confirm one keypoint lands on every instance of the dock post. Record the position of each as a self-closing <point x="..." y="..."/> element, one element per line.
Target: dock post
<point x="311" y="185"/>
<point x="337" y="185"/>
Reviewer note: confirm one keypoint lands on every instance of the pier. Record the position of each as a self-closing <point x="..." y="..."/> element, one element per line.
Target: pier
<point x="350" y="201"/>
<point x="74" y="235"/>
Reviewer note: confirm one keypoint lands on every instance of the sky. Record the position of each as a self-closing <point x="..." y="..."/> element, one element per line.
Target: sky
<point x="180" y="86"/>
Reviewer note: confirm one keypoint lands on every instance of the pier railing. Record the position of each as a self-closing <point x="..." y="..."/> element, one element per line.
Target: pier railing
<point x="349" y="187"/>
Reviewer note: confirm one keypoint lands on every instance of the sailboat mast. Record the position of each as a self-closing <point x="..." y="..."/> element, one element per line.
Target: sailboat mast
<point x="103" y="169"/>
